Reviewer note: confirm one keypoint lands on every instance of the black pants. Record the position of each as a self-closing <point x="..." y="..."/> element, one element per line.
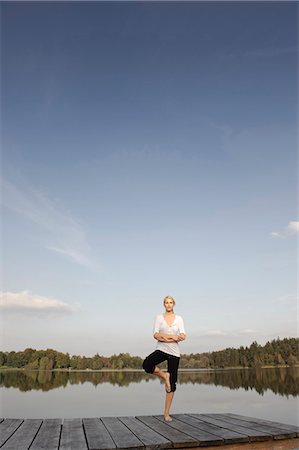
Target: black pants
<point x="157" y="357"/>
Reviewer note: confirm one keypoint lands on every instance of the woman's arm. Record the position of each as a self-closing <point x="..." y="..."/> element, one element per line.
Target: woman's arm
<point x="181" y="337"/>
<point x="182" y="334"/>
<point x="162" y="337"/>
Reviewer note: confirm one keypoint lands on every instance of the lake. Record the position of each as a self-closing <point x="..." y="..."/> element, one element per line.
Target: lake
<point x="263" y="393"/>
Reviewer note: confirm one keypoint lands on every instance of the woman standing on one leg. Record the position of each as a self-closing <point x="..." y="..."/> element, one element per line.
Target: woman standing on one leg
<point x="168" y="330"/>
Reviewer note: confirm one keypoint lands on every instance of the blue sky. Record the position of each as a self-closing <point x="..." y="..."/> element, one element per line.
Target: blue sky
<point x="148" y="149"/>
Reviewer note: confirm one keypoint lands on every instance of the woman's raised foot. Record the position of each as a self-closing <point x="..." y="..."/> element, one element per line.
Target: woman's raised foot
<point x="167" y="383"/>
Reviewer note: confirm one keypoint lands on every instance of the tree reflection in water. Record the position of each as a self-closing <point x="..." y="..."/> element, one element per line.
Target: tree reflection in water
<point x="281" y="381"/>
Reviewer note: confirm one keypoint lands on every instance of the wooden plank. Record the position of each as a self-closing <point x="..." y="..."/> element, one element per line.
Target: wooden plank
<point x="122" y="436"/>
<point x="270" y="430"/>
<point x="234" y="425"/>
<point x="72" y="435"/>
<point x="282" y="426"/>
<point x="24" y="435"/>
<point x="227" y="436"/>
<point x="203" y="437"/>
<point x="177" y="438"/>
<point x="284" y="444"/>
<point x="48" y="435"/>
<point x="290" y="434"/>
<point x="145" y="432"/>
<point x="7" y="428"/>
<point x="146" y="435"/>
<point x="97" y="435"/>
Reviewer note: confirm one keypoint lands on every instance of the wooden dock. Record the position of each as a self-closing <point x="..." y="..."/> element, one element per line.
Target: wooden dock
<point x="148" y="432"/>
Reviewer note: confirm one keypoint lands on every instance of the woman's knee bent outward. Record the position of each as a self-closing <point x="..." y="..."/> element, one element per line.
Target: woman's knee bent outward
<point x="155" y="358"/>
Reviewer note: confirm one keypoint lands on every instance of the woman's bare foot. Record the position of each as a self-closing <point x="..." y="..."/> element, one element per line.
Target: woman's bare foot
<point x="167" y="418"/>
<point x="167" y="382"/>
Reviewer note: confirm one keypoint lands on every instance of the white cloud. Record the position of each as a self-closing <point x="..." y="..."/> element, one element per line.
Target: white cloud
<point x="275" y="234"/>
<point x="73" y="255"/>
<point x="258" y="53"/>
<point x="25" y="301"/>
<point x="291" y="228"/>
<point x="289" y="301"/>
<point x="272" y="51"/>
<point x="247" y="331"/>
<point x="228" y="333"/>
<point x="226" y="130"/>
<point x="63" y="234"/>
<point x="215" y="333"/>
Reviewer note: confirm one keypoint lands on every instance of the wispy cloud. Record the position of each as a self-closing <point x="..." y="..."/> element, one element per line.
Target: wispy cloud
<point x="228" y="333"/>
<point x="247" y="331"/>
<point x="25" y="301"/>
<point x="274" y="234"/>
<point x="225" y="130"/>
<point x="63" y="234"/>
<point x="72" y="254"/>
<point x="291" y="228"/>
<point x="289" y="301"/>
<point x="215" y="333"/>
<point x="268" y="52"/>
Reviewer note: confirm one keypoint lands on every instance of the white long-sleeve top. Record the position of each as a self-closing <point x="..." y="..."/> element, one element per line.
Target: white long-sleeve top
<point x="177" y="327"/>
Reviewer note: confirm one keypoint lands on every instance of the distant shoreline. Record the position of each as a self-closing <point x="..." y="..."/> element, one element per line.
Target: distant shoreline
<point x="207" y="369"/>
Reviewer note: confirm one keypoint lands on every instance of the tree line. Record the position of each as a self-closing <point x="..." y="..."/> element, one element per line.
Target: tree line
<point x="278" y="352"/>
<point x="282" y="381"/>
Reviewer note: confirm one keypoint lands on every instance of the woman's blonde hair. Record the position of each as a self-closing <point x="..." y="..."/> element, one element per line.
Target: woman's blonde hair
<point x="171" y="298"/>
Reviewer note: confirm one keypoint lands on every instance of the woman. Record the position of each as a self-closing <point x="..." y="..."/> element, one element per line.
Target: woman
<point x="168" y="330"/>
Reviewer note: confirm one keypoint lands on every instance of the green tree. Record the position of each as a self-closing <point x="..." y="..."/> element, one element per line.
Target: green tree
<point x="292" y="360"/>
<point x="2" y="358"/>
<point x="46" y="363"/>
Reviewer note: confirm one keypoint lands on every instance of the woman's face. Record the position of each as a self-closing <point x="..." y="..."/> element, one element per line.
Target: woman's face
<point x="168" y="303"/>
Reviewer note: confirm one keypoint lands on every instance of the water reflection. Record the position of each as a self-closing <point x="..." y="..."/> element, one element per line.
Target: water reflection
<point x="281" y="381"/>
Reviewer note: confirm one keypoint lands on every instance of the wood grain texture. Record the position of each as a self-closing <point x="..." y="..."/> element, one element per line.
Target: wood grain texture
<point x="48" y="435"/>
<point x="97" y="435"/>
<point x="24" y="435"/>
<point x="72" y="435"/>
<point x="7" y="428"/>
<point x="122" y="436"/>
<point x="191" y="430"/>
<point x="150" y="438"/>
<point x="178" y="438"/>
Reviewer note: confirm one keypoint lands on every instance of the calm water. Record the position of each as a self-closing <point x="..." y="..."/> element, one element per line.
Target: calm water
<point x="272" y="394"/>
